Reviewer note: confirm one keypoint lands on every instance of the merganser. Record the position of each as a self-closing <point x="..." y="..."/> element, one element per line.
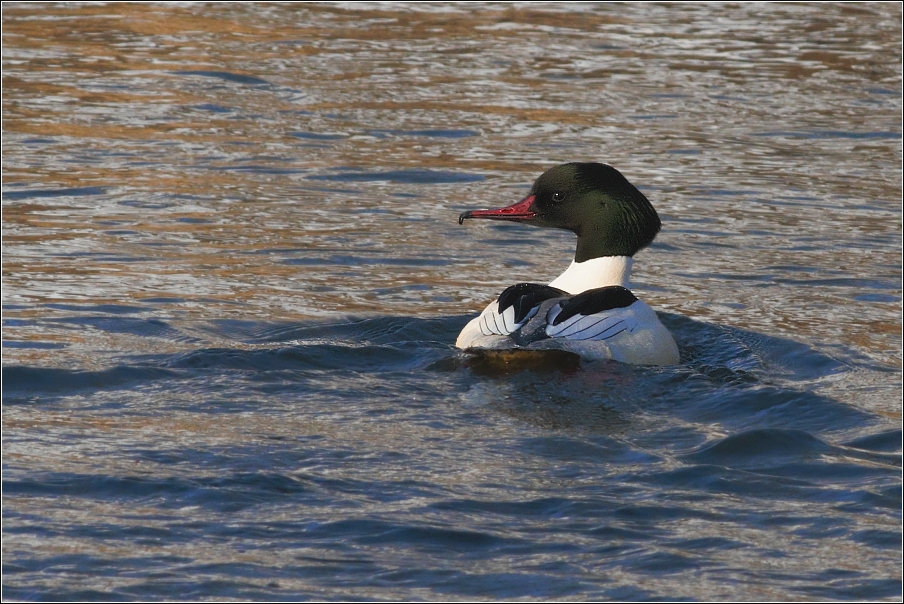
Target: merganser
<point x="589" y="309"/>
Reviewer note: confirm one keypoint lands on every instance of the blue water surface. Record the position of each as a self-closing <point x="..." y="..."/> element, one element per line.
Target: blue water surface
<point x="233" y="276"/>
<point x="375" y="457"/>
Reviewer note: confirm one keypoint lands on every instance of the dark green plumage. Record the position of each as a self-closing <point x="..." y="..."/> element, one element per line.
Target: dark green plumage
<point x="594" y="201"/>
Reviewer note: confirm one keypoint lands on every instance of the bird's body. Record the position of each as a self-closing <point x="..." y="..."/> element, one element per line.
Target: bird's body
<point x="589" y="309"/>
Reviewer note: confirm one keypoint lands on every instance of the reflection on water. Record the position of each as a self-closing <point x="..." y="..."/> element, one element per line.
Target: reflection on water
<point x="202" y="203"/>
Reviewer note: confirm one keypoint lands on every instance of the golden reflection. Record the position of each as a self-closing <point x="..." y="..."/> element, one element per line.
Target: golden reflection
<point x="207" y="190"/>
<point x="171" y="169"/>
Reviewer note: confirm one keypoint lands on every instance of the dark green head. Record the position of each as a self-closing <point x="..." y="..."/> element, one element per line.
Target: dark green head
<point x="594" y="201"/>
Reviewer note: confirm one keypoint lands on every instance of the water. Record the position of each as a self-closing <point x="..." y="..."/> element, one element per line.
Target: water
<point x="233" y="276"/>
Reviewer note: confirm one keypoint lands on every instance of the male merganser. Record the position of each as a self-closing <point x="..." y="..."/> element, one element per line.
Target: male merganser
<point x="588" y="309"/>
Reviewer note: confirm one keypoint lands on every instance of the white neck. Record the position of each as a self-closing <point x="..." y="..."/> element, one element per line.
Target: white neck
<point x="596" y="272"/>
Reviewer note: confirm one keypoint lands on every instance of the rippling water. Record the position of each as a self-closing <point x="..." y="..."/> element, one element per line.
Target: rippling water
<point x="233" y="277"/>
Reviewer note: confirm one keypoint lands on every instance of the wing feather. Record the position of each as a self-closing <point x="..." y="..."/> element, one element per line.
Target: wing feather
<point x="515" y="306"/>
<point x="597" y="314"/>
<point x="593" y="327"/>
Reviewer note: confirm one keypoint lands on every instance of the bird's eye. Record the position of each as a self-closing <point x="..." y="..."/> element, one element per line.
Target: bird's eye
<point x="557" y="196"/>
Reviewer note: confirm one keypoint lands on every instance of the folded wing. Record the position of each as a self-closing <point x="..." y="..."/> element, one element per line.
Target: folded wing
<point x="597" y="314"/>
<point x="515" y="306"/>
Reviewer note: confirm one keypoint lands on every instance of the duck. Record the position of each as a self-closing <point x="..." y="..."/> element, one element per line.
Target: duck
<point x="589" y="309"/>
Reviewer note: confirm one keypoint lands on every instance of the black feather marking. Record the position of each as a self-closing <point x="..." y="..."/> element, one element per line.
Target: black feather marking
<point x="495" y="324"/>
<point x="525" y="297"/>
<point x="576" y="335"/>
<point x="593" y="301"/>
<point x="485" y="327"/>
